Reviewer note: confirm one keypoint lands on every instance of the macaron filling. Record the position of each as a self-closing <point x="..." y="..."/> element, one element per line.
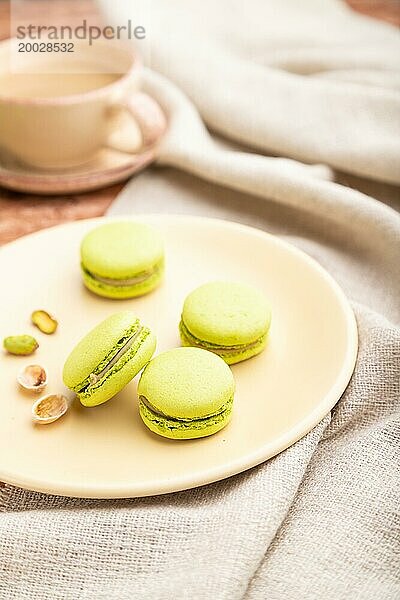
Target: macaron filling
<point x="128" y="282"/>
<point x="228" y="351"/>
<point x="124" y="350"/>
<point x="172" y="423"/>
<point x="95" y="377"/>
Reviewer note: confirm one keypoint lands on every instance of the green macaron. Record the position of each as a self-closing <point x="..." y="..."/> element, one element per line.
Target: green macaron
<point x="186" y="393"/>
<point x="108" y="357"/>
<point x="122" y="259"/>
<point x="230" y="319"/>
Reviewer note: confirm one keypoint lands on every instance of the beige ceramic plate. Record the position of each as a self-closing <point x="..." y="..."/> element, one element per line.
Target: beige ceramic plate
<point x="108" y="167"/>
<point x="106" y="452"/>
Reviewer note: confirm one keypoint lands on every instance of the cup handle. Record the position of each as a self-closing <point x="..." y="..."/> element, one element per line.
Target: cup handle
<point x="149" y="117"/>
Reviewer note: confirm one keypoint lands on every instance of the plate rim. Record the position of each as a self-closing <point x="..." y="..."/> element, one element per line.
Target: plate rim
<point x="240" y="465"/>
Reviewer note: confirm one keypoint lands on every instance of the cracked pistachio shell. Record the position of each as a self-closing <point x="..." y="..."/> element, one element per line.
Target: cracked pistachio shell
<point x="20" y="344"/>
<point x="44" y="321"/>
<point x="33" y="378"/>
<point x="49" y="408"/>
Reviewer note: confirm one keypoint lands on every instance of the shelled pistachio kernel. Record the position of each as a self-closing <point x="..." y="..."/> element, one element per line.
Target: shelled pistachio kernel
<point x="44" y="321"/>
<point x="22" y="345"/>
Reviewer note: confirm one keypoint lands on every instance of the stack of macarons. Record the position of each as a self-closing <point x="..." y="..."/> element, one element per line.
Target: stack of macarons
<point x="184" y="392"/>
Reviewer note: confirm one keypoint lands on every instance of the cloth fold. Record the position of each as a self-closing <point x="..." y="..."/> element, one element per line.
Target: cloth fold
<point x="310" y="80"/>
<point x="352" y="223"/>
<point x="304" y="80"/>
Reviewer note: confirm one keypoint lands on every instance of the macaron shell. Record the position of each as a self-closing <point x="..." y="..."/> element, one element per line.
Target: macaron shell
<point x="122" y="373"/>
<point x="185" y="430"/>
<point x="226" y="313"/>
<point x="241" y="353"/>
<point x="187" y="383"/>
<point x="122" y="292"/>
<point x="121" y="250"/>
<point x="95" y="346"/>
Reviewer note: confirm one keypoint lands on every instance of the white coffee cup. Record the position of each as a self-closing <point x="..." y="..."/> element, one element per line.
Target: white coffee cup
<point x="50" y="120"/>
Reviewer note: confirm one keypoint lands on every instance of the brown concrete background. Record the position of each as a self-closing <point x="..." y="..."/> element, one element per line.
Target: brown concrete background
<point x="21" y="213"/>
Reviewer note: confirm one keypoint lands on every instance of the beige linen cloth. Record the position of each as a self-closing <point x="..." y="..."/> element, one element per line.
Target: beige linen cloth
<point x="302" y="80"/>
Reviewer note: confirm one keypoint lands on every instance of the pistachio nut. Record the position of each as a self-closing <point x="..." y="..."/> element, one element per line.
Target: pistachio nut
<point x="49" y="408"/>
<point x="20" y="344"/>
<point x="44" y="321"/>
<point x="32" y="378"/>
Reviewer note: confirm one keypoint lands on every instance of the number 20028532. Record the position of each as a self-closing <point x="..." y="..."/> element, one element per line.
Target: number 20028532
<point x="45" y="47"/>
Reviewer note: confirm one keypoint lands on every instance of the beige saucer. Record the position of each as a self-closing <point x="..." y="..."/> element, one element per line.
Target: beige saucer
<point x="109" y="166"/>
<point x="107" y="452"/>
